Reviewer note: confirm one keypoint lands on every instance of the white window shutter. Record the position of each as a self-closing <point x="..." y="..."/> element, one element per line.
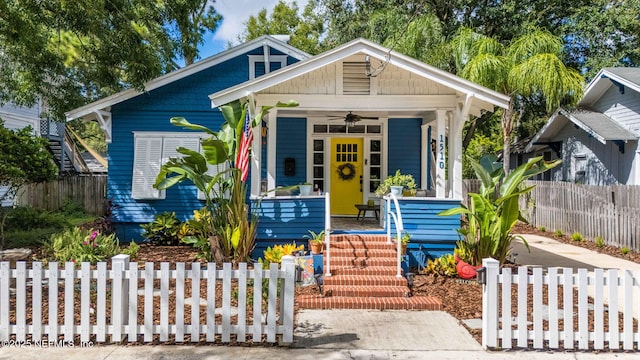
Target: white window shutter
<point x="146" y="166"/>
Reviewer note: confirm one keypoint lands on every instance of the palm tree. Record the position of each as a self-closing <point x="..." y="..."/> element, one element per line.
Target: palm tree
<point x="529" y="67"/>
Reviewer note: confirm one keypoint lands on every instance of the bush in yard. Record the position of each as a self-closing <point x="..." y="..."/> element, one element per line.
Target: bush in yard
<point x="625" y="250"/>
<point x="442" y="266"/>
<point x="80" y="245"/>
<point x="543" y="229"/>
<point x="559" y="233"/>
<point x="23" y="160"/>
<point x="131" y="250"/>
<point x="599" y="241"/>
<point x="273" y="255"/>
<point x="165" y="229"/>
<point x="493" y="212"/>
<point x="576" y="236"/>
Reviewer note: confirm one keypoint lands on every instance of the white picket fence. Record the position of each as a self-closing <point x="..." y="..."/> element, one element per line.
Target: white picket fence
<point x="117" y="290"/>
<point x="552" y="319"/>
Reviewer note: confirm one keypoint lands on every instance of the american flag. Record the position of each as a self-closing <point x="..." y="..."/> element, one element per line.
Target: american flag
<point x="242" y="161"/>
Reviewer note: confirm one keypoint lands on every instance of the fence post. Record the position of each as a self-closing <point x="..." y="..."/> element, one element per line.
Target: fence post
<point x="119" y="296"/>
<point x="289" y="268"/>
<point x="490" y="304"/>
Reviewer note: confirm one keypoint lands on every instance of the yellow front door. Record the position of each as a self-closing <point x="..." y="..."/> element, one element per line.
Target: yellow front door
<point x="346" y="175"/>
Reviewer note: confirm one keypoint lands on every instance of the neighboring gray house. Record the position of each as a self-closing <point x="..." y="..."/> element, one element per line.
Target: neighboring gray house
<point x="598" y="141"/>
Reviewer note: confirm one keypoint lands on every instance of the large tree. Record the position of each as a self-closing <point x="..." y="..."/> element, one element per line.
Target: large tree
<point x="530" y="67"/>
<point x="67" y="53"/>
<point x="304" y="28"/>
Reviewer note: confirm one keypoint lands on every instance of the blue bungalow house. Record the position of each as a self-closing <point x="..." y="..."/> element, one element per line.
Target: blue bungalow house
<point x="363" y="108"/>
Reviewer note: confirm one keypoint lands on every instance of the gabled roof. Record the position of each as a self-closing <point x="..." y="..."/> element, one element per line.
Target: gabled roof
<point x="621" y="77"/>
<point x="594" y="123"/>
<point x="107" y="102"/>
<point x="482" y="96"/>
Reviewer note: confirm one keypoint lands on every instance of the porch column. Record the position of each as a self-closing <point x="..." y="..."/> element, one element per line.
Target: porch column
<point x="271" y="151"/>
<point x="441" y="116"/>
<point x="455" y="155"/>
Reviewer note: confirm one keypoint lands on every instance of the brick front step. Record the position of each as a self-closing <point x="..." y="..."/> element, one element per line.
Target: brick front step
<point x="379" y="303"/>
<point x="360" y="242"/>
<point x="367" y="280"/>
<point x="363" y="261"/>
<point x="363" y="271"/>
<point x="366" y="291"/>
<point x="364" y="253"/>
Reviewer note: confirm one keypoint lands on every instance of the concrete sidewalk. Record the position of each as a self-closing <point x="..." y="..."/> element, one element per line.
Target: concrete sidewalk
<point x="367" y="334"/>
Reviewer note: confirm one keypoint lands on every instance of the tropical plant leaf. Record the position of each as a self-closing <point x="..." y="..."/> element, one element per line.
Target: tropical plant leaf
<point x="180" y="121"/>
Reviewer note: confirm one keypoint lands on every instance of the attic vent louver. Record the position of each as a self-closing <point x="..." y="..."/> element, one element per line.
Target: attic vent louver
<point x="354" y="79"/>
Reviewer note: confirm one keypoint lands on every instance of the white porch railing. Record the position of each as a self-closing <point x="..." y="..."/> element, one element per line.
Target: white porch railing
<point x="564" y="317"/>
<point x="397" y="219"/>
<point x="98" y="304"/>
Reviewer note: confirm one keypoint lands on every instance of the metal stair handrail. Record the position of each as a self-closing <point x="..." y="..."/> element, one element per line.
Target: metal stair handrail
<point x="397" y="219"/>
<point x="327" y="232"/>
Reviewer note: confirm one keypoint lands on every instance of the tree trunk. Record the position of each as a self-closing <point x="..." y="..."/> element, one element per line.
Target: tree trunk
<point x="507" y="125"/>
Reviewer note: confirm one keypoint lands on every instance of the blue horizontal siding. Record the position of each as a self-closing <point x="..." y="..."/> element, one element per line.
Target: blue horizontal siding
<point x="151" y="111"/>
<point x="291" y="143"/>
<point x="404" y="147"/>
<point x="435" y="235"/>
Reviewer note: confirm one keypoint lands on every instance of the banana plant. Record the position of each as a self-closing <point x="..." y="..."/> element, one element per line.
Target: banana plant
<point x="494" y="211"/>
<point x="232" y="229"/>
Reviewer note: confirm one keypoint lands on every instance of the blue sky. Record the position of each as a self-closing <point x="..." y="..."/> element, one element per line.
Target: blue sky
<point x="235" y="13"/>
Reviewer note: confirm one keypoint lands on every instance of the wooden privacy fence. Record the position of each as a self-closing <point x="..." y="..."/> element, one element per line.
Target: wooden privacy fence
<point x="89" y="305"/>
<point x="561" y="314"/>
<point x="90" y="191"/>
<point x="609" y="212"/>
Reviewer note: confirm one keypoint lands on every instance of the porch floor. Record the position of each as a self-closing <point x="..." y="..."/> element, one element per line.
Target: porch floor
<point x="350" y="223"/>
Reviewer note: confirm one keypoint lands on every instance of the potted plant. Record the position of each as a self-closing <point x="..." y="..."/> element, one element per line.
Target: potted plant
<point x="316" y="241"/>
<point x="396" y="183"/>
<point x="305" y="189"/>
<point x="404" y="240"/>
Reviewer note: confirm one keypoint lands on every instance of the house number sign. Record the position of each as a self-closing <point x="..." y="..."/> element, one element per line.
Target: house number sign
<point x="441" y="151"/>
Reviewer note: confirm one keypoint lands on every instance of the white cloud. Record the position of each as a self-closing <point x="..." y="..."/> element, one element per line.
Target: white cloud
<point x="236" y="12"/>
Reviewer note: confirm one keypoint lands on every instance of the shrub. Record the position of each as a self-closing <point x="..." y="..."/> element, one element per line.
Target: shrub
<point x="164" y="230"/>
<point x="559" y="233"/>
<point x="442" y="266"/>
<point x="274" y="254"/>
<point x="131" y="250"/>
<point x="198" y="233"/>
<point x="79" y="245"/>
<point x="28" y="218"/>
<point x="599" y="241"/>
<point x="576" y="236"/>
<point x="543" y="229"/>
<point x="625" y="250"/>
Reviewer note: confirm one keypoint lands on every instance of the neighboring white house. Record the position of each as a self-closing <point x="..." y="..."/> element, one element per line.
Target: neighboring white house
<point x="597" y="141"/>
<point x="17" y="117"/>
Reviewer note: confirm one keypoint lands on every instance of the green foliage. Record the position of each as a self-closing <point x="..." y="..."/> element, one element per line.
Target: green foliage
<point x="29" y="218"/>
<point x="315" y="238"/>
<point x="273" y="255"/>
<point x="599" y="241"/>
<point x="576" y="236"/>
<point x="543" y="229"/>
<point x="66" y="54"/>
<point x="232" y="229"/>
<point x="442" y="266"/>
<point x="131" y="250"/>
<point x="493" y="212"/>
<point x="559" y="233"/>
<point x="406" y="237"/>
<point x="198" y="232"/>
<point x="398" y="179"/>
<point x="91" y="133"/>
<point x="79" y="245"/>
<point x="163" y="230"/>
<point x="625" y="250"/>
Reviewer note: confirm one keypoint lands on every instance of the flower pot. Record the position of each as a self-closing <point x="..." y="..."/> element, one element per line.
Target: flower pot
<point x="316" y="248"/>
<point x="305" y="190"/>
<point x="396" y="190"/>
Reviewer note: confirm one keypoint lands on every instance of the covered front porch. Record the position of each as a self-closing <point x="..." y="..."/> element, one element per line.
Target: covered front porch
<point x="353" y="128"/>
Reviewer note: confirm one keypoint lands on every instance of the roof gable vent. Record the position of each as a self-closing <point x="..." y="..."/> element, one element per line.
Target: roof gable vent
<point x="354" y="79"/>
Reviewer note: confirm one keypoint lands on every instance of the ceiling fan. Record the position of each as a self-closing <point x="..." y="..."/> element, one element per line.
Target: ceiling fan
<point x="350" y="119"/>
